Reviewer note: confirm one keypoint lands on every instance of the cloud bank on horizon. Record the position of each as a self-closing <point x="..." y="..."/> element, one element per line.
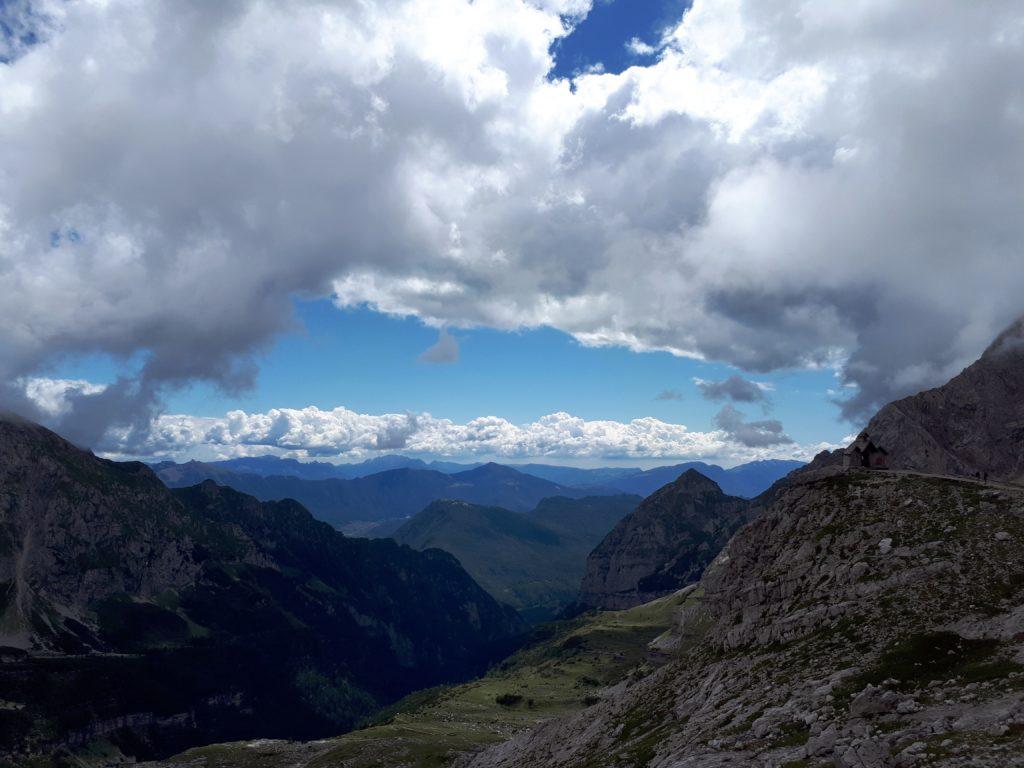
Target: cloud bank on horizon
<point x="790" y="183"/>
<point x="311" y="432"/>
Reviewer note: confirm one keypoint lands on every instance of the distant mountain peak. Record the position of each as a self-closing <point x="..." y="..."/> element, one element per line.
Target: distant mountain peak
<point x="492" y="471"/>
<point x="695" y="481"/>
<point x="664" y="544"/>
<point x="492" y="468"/>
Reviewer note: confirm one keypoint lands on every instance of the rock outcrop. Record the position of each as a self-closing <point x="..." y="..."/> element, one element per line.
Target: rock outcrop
<point x="971" y="426"/>
<point x="865" y="619"/>
<point x="663" y="545"/>
<point x="153" y="620"/>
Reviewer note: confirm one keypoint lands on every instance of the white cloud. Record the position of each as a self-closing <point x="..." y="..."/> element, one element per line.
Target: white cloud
<point x="791" y="183"/>
<point x="638" y="47"/>
<point x="51" y="395"/>
<point x="341" y="433"/>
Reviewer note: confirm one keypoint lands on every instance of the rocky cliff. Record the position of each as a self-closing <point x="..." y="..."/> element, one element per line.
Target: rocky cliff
<point x="150" y="620"/>
<point x="664" y="544"/>
<point x="972" y="425"/>
<point x="866" y="619"/>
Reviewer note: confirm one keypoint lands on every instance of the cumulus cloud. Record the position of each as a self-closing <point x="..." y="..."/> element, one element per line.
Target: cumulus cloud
<point x="735" y="388"/>
<point x="345" y="434"/>
<point x="669" y="394"/>
<point x="638" y="47"/>
<point x="444" y="350"/>
<point x="313" y="432"/>
<point x="790" y="183"/>
<point x="753" y="434"/>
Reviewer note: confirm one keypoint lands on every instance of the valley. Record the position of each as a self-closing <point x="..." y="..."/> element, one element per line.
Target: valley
<point x="532" y="561"/>
<point x="849" y="615"/>
<point x="564" y="669"/>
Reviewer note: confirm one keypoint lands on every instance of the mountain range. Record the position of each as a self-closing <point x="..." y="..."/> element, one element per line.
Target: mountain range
<point x="843" y="616"/>
<point x="532" y="561"/>
<point x="745" y="480"/>
<point x="377" y="503"/>
<point x="392" y="495"/>
<point x="270" y="465"/>
<point x="146" y="619"/>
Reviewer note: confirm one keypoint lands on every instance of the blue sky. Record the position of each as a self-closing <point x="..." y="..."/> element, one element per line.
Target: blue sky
<point x="601" y="38"/>
<point x="370" y="363"/>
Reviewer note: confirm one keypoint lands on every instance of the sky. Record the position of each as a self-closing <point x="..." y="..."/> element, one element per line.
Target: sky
<point x="583" y="233"/>
<point x="520" y="376"/>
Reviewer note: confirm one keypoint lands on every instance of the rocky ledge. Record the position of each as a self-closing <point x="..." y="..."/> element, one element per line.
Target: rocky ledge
<point x="865" y="619"/>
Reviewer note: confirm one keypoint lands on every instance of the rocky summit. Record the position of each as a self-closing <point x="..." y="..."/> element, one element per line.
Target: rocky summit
<point x="971" y="426"/>
<point x="136" y="621"/>
<point x="663" y="545"/>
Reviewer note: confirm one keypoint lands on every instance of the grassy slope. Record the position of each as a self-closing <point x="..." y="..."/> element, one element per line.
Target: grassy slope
<point x="564" y="669"/>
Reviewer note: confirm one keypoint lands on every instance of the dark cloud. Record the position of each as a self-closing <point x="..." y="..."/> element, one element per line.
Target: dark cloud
<point x="126" y="407"/>
<point x="445" y="350"/>
<point x="1009" y="341"/>
<point x="734" y="388"/>
<point x="907" y="348"/>
<point x="753" y="434"/>
<point x="14" y="401"/>
<point x="669" y="394"/>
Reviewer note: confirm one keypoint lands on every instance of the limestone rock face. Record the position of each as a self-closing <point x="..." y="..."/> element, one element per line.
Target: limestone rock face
<point x="805" y="643"/>
<point x="972" y="425"/>
<point x="663" y="545"/>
